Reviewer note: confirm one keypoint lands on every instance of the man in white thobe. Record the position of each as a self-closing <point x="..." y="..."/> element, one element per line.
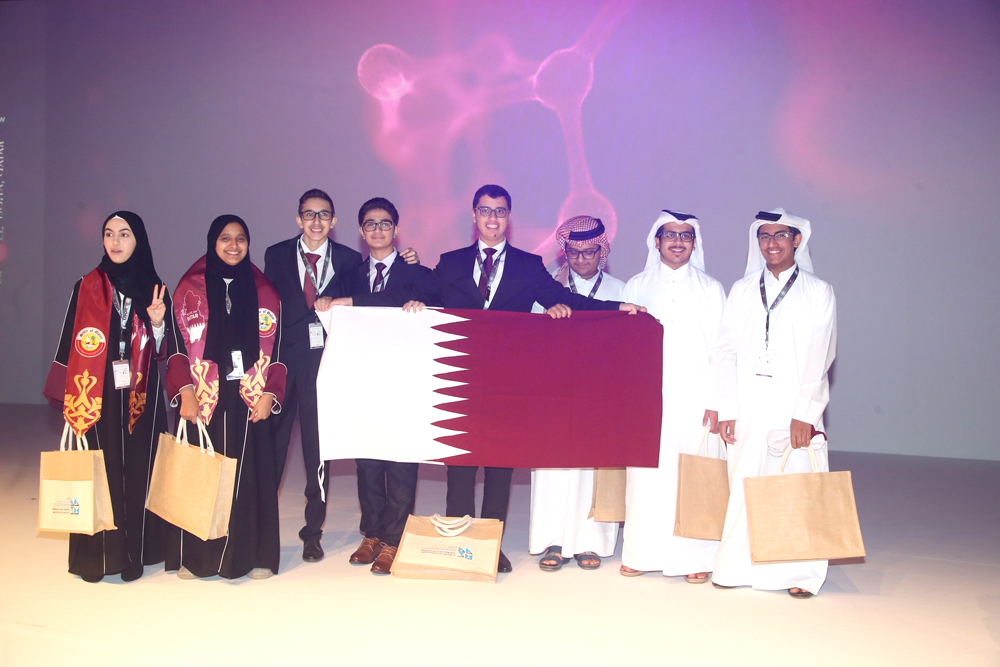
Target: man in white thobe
<point x="777" y="341"/>
<point x="688" y="303"/>
<point x="561" y="498"/>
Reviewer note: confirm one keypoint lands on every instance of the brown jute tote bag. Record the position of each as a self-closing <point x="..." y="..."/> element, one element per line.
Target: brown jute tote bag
<point x="702" y="493"/>
<point x="192" y="487"/>
<point x="802" y="516"/>
<point x="73" y="493"/>
<point x="436" y="547"/>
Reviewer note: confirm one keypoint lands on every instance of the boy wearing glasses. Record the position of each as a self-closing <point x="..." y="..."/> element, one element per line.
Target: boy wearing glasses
<point x="386" y="489"/>
<point x="777" y="341"/>
<point x="688" y="303"/>
<point x="303" y="269"/>
<point x="561" y="498"/>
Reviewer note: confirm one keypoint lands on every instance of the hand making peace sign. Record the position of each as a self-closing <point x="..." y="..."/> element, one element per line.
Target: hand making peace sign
<point x="157" y="309"/>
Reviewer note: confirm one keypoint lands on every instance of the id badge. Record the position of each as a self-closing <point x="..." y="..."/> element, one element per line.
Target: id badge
<point x="123" y="378"/>
<point x="315" y="336"/>
<point x="237" y="373"/>
<point x="765" y="362"/>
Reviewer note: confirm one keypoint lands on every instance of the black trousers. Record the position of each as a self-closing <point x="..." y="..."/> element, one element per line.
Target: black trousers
<point x="387" y="492"/>
<point x="461" y="498"/>
<point x="300" y="397"/>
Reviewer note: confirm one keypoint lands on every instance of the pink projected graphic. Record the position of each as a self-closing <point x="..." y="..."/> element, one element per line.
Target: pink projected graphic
<point x="430" y="105"/>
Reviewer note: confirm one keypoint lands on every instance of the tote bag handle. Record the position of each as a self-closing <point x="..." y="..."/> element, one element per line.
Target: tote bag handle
<point x="205" y="442"/>
<point x="451" y="527"/>
<point x="69" y="436"/>
<point x="703" y="446"/>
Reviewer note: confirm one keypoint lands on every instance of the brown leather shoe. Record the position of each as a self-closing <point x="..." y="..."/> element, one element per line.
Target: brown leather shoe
<point x="383" y="564"/>
<point x="367" y="552"/>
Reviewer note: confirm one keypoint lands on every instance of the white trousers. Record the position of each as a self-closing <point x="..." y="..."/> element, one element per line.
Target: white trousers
<point x="560" y="503"/>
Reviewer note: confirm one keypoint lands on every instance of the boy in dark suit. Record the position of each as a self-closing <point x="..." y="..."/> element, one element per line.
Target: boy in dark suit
<point x="386" y="489"/>
<point x="489" y="274"/>
<point x="303" y="269"/>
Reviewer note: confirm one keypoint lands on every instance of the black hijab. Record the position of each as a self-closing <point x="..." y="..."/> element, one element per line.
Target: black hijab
<point x="237" y="330"/>
<point x="136" y="276"/>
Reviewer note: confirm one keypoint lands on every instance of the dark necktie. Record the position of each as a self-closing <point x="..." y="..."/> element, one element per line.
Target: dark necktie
<point x="308" y="289"/>
<point x="484" y="277"/>
<point x="379" y="268"/>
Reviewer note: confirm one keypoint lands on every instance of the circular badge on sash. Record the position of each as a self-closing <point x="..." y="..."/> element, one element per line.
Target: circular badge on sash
<point x="266" y="322"/>
<point x="90" y="342"/>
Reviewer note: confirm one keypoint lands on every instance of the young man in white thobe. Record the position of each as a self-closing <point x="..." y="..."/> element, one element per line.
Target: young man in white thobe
<point x="777" y="341"/>
<point x="561" y="497"/>
<point x="688" y="303"/>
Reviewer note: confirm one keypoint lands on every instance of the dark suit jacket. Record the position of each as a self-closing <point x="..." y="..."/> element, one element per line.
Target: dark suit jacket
<point x="402" y="277"/>
<point x="524" y="281"/>
<point x="281" y="266"/>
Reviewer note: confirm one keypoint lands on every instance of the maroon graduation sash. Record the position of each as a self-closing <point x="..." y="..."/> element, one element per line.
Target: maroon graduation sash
<point x="88" y="355"/>
<point x="191" y="310"/>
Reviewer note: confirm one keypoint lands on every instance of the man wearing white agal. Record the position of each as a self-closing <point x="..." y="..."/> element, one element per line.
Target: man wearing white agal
<point x="561" y="498"/>
<point x="688" y="303"/>
<point x="777" y="341"/>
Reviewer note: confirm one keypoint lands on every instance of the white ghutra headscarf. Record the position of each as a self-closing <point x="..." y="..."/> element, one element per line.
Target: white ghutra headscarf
<point x="755" y="258"/>
<point x="697" y="255"/>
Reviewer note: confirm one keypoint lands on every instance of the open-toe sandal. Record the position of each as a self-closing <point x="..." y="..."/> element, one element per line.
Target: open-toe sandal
<point x="587" y="555"/>
<point x="552" y="559"/>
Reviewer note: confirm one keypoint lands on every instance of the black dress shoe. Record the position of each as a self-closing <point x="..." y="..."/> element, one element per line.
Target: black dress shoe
<point x="132" y="572"/>
<point x="91" y="578"/>
<point x="312" y="552"/>
<point x="503" y="564"/>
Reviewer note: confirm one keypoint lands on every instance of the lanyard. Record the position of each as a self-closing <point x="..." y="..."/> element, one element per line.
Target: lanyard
<point x="493" y="273"/>
<point x="123" y="312"/>
<point x="597" y="285"/>
<point x="309" y="268"/>
<point x="777" y="300"/>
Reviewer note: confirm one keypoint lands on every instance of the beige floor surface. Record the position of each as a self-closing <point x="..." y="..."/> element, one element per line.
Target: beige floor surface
<point x="927" y="594"/>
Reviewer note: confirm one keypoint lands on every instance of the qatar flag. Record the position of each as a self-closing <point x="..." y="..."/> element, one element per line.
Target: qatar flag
<point x="491" y="388"/>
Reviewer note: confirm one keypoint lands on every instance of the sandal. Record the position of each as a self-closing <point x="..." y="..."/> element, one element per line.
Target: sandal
<point x="695" y="579"/>
<point x="800" y="594"/>
<point x="629" y="572"/>
<point x="587" y="555"/>
<point x="552" y="559"/>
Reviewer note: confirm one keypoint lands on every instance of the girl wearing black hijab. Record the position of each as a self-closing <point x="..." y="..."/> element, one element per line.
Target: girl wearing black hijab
<point x="118" y="323"/>
<point x="227" y="374"/>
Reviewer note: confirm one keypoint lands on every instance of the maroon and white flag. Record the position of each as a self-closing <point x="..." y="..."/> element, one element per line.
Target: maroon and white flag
<point x="481" y="387"/>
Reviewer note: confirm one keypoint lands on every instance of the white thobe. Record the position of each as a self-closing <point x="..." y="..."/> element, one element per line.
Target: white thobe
<point x="689" y="304"/>
<point x="561" y="497"/>
<point x="803" y="339"/>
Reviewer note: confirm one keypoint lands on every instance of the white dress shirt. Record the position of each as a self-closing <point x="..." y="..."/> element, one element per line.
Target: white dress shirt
<point x="498" y="256"/>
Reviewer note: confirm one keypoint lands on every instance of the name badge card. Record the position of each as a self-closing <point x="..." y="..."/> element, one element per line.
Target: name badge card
<point x="237" y="373"/>
<point x="123" y="378"/>
<point x="315" y="336"/>
<point x="765" y="362"/>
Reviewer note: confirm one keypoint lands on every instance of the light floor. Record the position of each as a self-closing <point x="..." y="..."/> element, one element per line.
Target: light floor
<point x="927" y="594"/>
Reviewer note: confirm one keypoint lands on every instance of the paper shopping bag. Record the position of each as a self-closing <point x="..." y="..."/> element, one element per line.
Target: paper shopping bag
<point x="702" y="493"/>
<point x="802" y="516"/>
<point x="436" y="547"/>
<point x="192" y="487"/>
<point x="608" y="500"/>
<point x="73" y="494"/>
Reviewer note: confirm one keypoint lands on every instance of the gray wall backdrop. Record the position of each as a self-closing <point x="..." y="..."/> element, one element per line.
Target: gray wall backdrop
<point x="877" y="120"/>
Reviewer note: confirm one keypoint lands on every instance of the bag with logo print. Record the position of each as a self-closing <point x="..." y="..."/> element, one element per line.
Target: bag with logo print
<point x="73" y="494"/>
<point x="436" y="547"/>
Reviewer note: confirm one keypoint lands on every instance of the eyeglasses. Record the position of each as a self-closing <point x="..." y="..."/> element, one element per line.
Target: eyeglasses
<point x="573" y="253"/>
<point x="777" y="236"/>
<point x="384" y="225"/>
<point x="486" y="211"/>
<point x="309" y="216"/>
<point x="686" y="237"/>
